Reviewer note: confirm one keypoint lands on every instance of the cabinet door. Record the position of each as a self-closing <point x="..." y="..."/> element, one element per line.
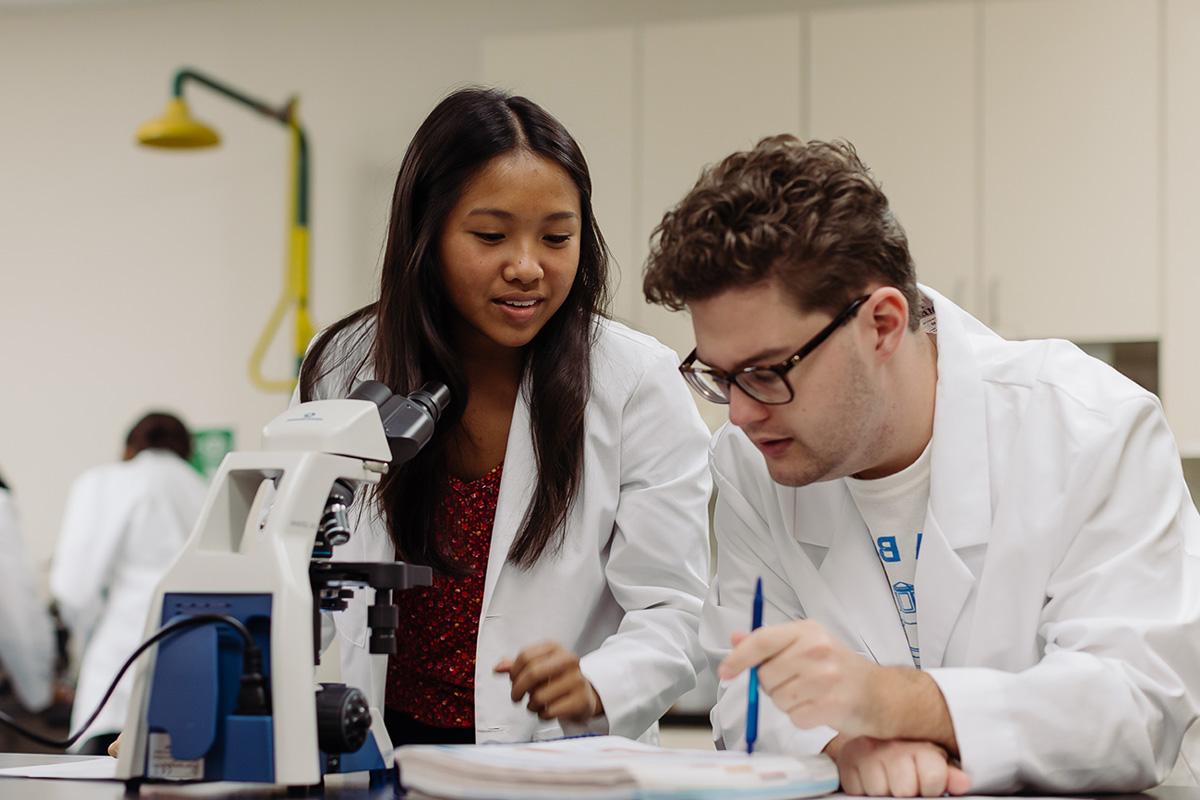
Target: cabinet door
<point x="586" y="80"/>
<point x="709" y="88"/>
<point x="899" y="83"/>
<point x="1071" y="245"/>
<point x="1179" y="377"/>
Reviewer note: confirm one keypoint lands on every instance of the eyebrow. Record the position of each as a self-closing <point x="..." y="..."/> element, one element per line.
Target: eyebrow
<point x="772" y="355"/>
<point x="499" y="212"/>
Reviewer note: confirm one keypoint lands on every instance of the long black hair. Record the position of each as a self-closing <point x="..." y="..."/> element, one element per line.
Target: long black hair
<point x="408" y="328"/>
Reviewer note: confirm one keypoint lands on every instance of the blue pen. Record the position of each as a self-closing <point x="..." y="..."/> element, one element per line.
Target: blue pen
<point x="752" y="692"/>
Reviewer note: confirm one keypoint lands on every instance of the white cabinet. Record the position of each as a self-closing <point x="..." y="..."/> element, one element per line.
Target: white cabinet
<point x="1071" y="168"/>
<point x="586" y="80"/>
<point x="1179" y="375"/>
<point x="708" y="88"/>
<point x="900" y="83"/>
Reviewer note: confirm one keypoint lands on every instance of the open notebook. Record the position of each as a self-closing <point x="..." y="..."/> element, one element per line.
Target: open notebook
<point x="607" y="768"/>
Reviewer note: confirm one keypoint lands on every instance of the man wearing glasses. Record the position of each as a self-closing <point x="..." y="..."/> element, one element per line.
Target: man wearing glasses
<point x="978" y="556"/>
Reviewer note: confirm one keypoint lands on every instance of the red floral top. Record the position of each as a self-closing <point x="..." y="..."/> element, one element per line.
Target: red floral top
<point x="432" y="677"/>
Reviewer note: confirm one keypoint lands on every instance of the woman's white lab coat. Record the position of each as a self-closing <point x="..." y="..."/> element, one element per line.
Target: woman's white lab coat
<point x="123" y="525"/>
<point x="26" y="635"/>
<point x="625" y="592"/>
<point x="1057" y="585"/>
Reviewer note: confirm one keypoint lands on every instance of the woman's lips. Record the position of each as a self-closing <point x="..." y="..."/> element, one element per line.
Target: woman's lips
<point x="519" y="310"/>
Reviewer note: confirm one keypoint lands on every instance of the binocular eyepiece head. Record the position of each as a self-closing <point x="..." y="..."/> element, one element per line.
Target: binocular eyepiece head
<point x="408" y="420"/>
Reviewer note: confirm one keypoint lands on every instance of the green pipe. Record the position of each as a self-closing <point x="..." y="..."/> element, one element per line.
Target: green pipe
<point x="282" y="115"/>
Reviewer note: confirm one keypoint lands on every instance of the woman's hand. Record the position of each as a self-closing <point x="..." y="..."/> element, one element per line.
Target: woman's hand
<point x="114" y="749"/>
<point x="549" y="674"/>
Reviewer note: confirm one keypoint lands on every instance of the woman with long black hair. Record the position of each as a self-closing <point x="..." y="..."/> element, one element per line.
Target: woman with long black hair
<point x="563" y="498"/>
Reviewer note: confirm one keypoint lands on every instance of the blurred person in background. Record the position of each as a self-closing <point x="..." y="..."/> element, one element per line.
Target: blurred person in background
<point x="123" y="525"/>
<point x="26" y="634"/>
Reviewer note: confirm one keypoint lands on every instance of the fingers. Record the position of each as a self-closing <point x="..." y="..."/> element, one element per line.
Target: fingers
<point x="541" y="670"/>
<point x="532" y="653"/>
<point x="957" y="781"/>
<point x="898" y="768"/>
<point x="114" y="749"/>
<point x="756" y="648"/>
<point x="851" y="781"/>
<point x="578" y="705"/>
<point x="901" y="769"/>
<point x="873" y="777"/>
<point x="792" y="680"/>
<point x="559" y="687"/>
<point x="931" y="771"/>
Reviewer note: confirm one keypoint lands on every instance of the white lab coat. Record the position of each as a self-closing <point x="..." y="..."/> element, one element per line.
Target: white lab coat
<point x="625" y="592"/>
<point x="123" y="526"/>
<point x="26" y="634"/>
<point x="1057" y="583"/>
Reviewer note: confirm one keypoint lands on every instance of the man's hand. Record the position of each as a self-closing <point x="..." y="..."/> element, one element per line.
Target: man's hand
<point x="816" y="680"/>
<point x="549" y="674"/>
<point x="810" y="676"/>
<point x="895" y="768"/>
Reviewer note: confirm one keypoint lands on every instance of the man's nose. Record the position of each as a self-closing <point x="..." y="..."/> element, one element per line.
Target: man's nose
<point x="745" y="410"/>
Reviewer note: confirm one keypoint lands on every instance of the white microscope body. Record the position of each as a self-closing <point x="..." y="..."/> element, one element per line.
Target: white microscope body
<point x="259" y="553"/>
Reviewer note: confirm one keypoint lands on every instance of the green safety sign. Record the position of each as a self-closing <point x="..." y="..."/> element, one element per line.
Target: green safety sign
<point x="209" y="447"/>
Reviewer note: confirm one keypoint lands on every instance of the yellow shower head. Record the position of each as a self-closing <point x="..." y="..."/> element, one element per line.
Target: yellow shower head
<point x="176" y="128"/>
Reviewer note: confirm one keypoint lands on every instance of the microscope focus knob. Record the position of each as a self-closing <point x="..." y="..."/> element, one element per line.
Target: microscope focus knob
<point x="343" y="718"/>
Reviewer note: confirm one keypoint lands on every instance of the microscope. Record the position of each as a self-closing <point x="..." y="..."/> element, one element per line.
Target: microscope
<point x="230" y="692"/>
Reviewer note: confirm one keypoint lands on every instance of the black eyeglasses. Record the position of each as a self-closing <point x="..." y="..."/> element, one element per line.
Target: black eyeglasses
<point x="768" y="385"/>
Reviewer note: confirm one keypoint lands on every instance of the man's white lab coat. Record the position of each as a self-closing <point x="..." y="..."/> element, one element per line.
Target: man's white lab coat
<point x="1057" y="591"/>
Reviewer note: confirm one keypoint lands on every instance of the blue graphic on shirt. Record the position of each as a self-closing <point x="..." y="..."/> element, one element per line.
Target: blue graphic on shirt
<point x="903" y="591"/>
<point x="889" y="553"/>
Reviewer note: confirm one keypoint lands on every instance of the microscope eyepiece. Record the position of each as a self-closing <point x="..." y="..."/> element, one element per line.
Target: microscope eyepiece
<point x="434" y="397"/>
<point x="408" y="421"/>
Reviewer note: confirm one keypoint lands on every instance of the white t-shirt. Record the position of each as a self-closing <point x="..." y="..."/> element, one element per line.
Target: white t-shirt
<point x="894" y="509"/>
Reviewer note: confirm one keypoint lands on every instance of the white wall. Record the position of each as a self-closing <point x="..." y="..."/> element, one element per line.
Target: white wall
<point x="131" y="278"/>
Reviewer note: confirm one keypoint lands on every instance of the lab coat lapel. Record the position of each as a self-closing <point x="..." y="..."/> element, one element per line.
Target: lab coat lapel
<point x="517" y="482"/>
<point x="858" y="586"/>
<point x="944" y="582"/>
<point x="960" y="509"/>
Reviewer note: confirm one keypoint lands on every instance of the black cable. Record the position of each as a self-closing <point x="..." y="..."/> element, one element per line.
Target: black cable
<point x="251" y="652"/>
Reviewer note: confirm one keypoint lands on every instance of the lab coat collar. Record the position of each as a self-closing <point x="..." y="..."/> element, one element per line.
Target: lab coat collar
<point x="859" y="588"/>
<point x="960" y="482"/>
<point x="944" y="583"/>
<point x="517" y="483"/>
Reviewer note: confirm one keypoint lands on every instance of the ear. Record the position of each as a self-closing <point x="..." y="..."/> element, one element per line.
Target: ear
<point x="887" y="311"/>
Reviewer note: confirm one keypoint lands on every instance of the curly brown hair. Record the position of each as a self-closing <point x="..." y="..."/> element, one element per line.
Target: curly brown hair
<point x="806" y="213"/>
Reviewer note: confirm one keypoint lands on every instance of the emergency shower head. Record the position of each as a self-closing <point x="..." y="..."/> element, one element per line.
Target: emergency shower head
<point x="176" y="129"/>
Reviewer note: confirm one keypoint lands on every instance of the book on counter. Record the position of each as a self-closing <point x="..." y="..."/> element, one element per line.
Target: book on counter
<point x="608" y="768"/>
